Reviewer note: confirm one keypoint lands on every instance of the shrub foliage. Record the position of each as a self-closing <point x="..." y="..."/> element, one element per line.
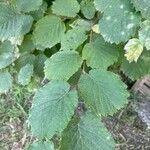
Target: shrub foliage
<point x="69" y="53"/>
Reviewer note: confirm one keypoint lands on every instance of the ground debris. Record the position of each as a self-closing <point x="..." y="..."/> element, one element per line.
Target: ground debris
<point x="141" y="90"/>
<point x="142" y="86"/>
<point x="130" y="127"/>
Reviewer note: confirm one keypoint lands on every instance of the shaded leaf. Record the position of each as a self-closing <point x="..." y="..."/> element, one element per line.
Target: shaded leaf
<point x="5" y="81"/>
<point x="24" y="59"/>
<point x="87" y="8"/>
<point x="25" y="74"/>
<point x="27" y="44"/>
<point x="8" y="54"/>
<point x="143" y="6"/>
<point x="38" y="14"/>
<point x="136" y="70"/>
<point x="39" y="65"/>
<point x="42" y="146"/>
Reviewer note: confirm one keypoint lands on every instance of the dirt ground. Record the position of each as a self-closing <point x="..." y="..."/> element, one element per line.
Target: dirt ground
<point x="128" y="130"/>
<point x="14" y="110"/>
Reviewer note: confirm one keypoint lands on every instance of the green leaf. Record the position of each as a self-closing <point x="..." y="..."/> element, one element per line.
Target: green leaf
<point x="119" y="21"/>
<point x="38" y="14"/>
<point x="12" y="23"/>
<point x="48" y="31"/>
<point x="27" y="5"/>
<point x="144" y="34"/>
<point x="103" y="91"/>
<point x="73" y="39"/>
<point x="137" y="70"/>
<point x="89" y="134"/>
<point x="143" y="6"/>
<point x="81" y="23"/>
<point x="24" y="59"/>
<point x="87" y="8"/>
<point x="42" y="146"/>
<point x="5" y="81"/>
<point x="25" y="74"/>
<point x="62" y="65"/>
<point x="27" y="44"/>
<point x="8" y="54"/>
<point x="53" y="107"/>
<point x="99" y="54"/>
<point x="68" y="8"/>
<point x="39" y="65"/>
